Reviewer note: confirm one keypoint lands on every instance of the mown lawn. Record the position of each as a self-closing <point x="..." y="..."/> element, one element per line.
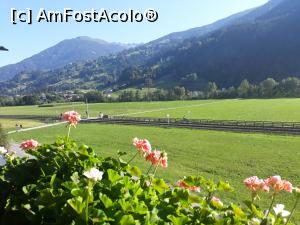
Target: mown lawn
<point x="219" y="155"/>
<point x="10" y="124"/>
<point x="253" y="109"/>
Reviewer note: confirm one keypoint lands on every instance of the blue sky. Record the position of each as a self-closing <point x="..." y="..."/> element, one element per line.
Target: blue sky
<point x="174" y="15"/>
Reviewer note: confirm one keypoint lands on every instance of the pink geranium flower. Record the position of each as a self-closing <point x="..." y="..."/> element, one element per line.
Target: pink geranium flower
<point x="164" y="162"/>
<point x="287" y="186"/>
<point x="273" y="180"/>
<point x="278" y="184"/>
<point x="183" y="184"/>
<point x="255" y="184"/>
<point x="72" y="117"/>
<point x="158" y="158"/>
<point x="29" y="145"/>
<point x="154" y="157"/>
<point x="142" y="145"/>
<point x="194" y="188"/>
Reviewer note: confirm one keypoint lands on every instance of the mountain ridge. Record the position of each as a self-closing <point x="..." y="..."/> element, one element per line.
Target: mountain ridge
<point x="252" y="45"/>
<point x="62" y="53"/>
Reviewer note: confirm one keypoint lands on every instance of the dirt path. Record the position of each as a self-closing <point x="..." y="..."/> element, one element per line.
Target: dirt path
<point x="35" y="128"/>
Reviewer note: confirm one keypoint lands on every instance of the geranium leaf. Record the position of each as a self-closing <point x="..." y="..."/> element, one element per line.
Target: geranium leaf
<point x="77" y="204"/>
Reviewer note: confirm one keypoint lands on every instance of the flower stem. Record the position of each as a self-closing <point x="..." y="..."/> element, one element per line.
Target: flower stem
<point x="69" y="131"/>
<point x="149" y="169"/>
<point x="156" y="168"/>
<point x="132" y="158"/>
<point x="253" y="196"/>
<point x="252" y="200"/>
<point x="273" y="200"/>
<point x="154" y="172"/>
<point x="293" y="210"/>
<point x="87" y="203"/>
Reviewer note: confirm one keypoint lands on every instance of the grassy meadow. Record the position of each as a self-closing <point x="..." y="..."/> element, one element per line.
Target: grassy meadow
<point x="219" y="155"/>
<point x="254" y="109"/>
<point x="10" y="124"/>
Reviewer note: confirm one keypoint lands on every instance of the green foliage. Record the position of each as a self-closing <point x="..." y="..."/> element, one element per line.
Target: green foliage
<point x="50" y="188"/>
<point x="3" y="137"/>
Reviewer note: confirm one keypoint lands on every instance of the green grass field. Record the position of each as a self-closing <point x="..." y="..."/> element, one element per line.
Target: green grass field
<point x="10" y="124"/>
<point x="219" y="155"/>
<point x="268" y="110"/>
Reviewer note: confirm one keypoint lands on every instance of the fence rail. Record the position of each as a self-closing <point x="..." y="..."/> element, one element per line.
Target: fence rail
<point x="230" y="125"/>
<point x="226" y="125"/>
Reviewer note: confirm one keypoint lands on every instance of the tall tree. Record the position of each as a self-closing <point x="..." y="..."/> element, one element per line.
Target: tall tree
<point x="267" y="87"/>
<point x="212" y="90"/>
<point x="243" y="89"/>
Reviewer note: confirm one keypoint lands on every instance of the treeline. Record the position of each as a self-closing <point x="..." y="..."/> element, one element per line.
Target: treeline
<point x="31" y="99"/>
<point x="268" y="88"/>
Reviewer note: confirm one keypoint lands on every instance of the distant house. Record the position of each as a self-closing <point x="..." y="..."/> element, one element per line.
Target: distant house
<point x="3" y="48"/>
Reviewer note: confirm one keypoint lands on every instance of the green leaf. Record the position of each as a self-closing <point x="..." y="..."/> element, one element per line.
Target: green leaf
<point x="256" y="211"/>
<point x="75" y="177"/>
<point x="28" y="188"/>
<point x="77" y="204"/>
<point x="106" y="200"/>
<point x="113" y="176"/>
<point x="135" y="171"/>
<point x="69" y="185"/>
<point x="125" y="205"/>
<point x="141" y="208"/>
<point x="120" y="154"/>
<point x="77" y="192"/>
<point x="159" y="185"/>
<point x="83" y="150"/>
<point x="224" y="186"/>
<point x="28" y="208"/>
<point x="52" y="180"/>
<point x="193" y="198"/>
<point x="127" y="220"/>
<point x="237" y="211"/>
<point x="178" y="220"/>
<point x="217" y="204"/>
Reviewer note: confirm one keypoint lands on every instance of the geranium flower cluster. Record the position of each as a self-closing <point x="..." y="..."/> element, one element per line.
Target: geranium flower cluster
<point x="278" y="184"/>
<point x="156" y="157"/>
<point x="255" y="184"/>
<point x="29" y="145"/>
<point x="142" y="145"/>
<point x="72" y="117"/>
<point x="183" y="184"/>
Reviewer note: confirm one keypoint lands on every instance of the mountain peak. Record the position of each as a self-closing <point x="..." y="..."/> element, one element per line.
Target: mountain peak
<point x="86" y="38"/>
<point x="67" y="51"/>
